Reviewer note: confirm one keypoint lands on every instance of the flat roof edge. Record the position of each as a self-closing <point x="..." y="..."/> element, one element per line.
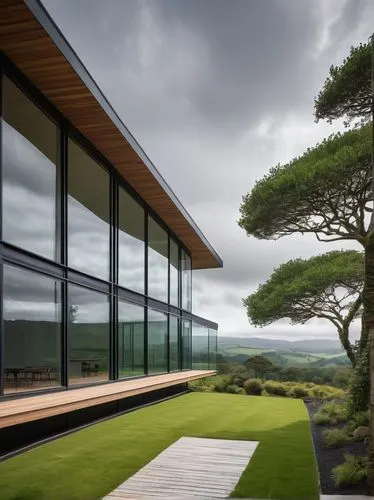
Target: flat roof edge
<point x="42" y="15"/>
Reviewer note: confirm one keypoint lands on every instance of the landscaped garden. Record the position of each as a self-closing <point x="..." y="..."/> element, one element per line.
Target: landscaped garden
<point x="90" y="463"/>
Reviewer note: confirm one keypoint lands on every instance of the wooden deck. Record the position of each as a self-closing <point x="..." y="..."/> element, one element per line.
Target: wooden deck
<point x="190" y="468"/>
<point x="27" y="409"/>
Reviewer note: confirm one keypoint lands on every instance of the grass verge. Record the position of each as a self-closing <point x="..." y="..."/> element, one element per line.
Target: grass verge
<point x="88" y="464"/>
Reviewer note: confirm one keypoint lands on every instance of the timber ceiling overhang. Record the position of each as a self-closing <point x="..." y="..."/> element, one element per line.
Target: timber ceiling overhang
<point x="30" y="38"/>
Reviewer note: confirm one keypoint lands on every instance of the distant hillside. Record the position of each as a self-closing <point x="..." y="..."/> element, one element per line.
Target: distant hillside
<point x="327" y="346"/>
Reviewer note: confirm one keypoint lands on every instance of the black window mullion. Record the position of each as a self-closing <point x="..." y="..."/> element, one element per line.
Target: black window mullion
<point x="168" y="316"/>
<point x="146" y="340"/>
<point x="179" y="277"/>
<point x="146" y="291"/>
<point x="63" y="195"/>
<point x="64" y="335"/>
<point x="63" y="236"/>
<point x="208" y="349"/>
<point x="169" y="264"/>
<point x="145" y="253"/>
<point x="168" y="343"/>
<point x="113" y="197"/>
<point x="1" y="237"/>
<point x="113" y="276"/>
<point x="113" y="343"/>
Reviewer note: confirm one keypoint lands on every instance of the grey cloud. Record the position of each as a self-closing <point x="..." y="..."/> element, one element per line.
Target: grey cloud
<point x="218" y="92"/>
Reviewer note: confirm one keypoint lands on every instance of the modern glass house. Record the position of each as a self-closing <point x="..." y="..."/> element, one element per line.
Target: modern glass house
<point x="97" y="252"/>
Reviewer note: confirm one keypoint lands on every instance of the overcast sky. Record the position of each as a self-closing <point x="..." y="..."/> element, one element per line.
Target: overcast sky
<point x="217" y="92"/>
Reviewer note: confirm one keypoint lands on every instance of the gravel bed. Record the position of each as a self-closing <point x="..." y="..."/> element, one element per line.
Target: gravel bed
<point x="328" y="458"/>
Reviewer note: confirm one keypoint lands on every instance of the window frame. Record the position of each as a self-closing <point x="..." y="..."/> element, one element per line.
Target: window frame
<point x="13" y="255"/>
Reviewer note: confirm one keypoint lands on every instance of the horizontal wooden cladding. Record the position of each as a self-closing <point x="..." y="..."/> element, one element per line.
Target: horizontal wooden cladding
<point x="28" y="45"/>
<point x="32" y="408"/>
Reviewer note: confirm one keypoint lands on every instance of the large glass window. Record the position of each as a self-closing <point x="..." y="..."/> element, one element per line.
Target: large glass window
<point x="174" y="343"/>
<point x="157" y="261"/>
<point x="30" y="174"/>
<point x="88" y="214"/>
<point x="212" y="349"/>
<point x="157" y="341"/>
<point x="186" y="344"/>
<point x="88" y="331"/>
<point x="131" y="243"/>
<point x="200" y="347"/>
<point x="130" y="339"/>
<point x="32" y="330"/>
<point x="174" y="273"/>
<point x="186" y="281"/>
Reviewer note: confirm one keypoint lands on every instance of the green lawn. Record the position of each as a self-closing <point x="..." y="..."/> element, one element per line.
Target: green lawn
<point x="88" y="464"/>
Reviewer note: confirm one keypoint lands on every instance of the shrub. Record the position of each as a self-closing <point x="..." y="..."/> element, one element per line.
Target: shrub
<point x="317" y="392"/>
<point x="232" y="388"/>
<point x="331" y="413"/>
<point x="309" y="385"/>
<point x="298" y="391"/>
<point x="275" y="388"/>
<point x="336" y="437"/>
<point x="240" y="390"/>
<point x="359" y="386"/>
<point x="239" y="379"/>
<point x="351" y="471"/>
<point x="253" y="386"/>
<point x="321" y="419"/>
<point x="360" y="419"/>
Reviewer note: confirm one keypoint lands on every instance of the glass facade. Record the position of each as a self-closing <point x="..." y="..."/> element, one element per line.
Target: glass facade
<point x="32" y="330"/>
<point x="174" y="273"/>
<point x="94" y="288"/>
<point x="88" y="214"/>
<point x="204" y="347"/>
<point x="130" y="339"/>
<point x="200" y="347"/>
<point x="186" y="268"/>
<point x="174" y="343"/>
<point x="157" y="261"/>
<point x="157" y="342"/>
<point x="30" y="175"/>
<point x="131" y="246"/>
<point x="212" y="348"/>
<point x="186" y="344"/>
<point x="88" y="334"/>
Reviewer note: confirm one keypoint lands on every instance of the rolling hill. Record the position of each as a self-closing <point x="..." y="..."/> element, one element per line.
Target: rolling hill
<point x="301" y="353"/>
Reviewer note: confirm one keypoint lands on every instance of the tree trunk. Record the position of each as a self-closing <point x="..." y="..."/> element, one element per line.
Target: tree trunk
<point x="364" y="337"/>
<point x="369" y="320"/>
<point x="344" y="340"/>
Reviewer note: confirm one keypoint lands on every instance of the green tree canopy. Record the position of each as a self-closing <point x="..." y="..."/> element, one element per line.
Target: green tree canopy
<point x="328" y="286"/>
<point x="260" y="366"/>
<point x="326" y="191"/>
<point x="347" y="90"/>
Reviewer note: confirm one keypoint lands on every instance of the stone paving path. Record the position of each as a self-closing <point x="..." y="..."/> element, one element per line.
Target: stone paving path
<point x="190" y="468"/>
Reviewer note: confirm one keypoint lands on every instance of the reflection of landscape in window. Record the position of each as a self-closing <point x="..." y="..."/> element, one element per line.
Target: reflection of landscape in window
<point x="204" y="345"/>
<point x="130" y="339"/>
<point x="200" y="347"/>
<point x="157" y="342"/>
<point x="186" y="344"/>
<point x="32" y="330"/>
<point x="174" y="343"/>
<point x="88" y="331"/>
